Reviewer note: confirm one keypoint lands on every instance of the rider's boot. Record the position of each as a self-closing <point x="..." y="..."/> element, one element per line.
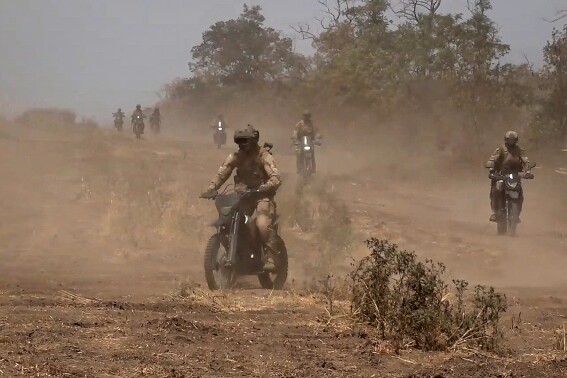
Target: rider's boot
<point x="271" y="250"/>
<point x="492" y="217"/>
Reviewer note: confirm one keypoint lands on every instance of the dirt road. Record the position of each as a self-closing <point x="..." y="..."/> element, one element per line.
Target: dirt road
<point x="101" y="241"/>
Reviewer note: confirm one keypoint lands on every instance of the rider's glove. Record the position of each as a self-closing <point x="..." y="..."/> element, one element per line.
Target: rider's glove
<point x="209" y="194"/>
<point x="263" y="188"/>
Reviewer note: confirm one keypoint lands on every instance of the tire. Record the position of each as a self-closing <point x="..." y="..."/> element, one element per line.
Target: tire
<point x="514" y="213"/>
<point x="226" y="277"/>
<point x="502" y="226"/>
<point x="306" y="169"/>
<point x="277" y="281"/>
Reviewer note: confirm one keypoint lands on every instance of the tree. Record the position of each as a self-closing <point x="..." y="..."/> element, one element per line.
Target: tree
<point x="354" y="57"/>
<point x="550" y="118"/>
<point x="479" y="73"/>
<point x="244" y="51"/>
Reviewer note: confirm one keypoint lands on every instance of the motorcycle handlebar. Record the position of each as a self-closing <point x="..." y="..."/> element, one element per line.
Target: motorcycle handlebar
<point x="523" y="175"/>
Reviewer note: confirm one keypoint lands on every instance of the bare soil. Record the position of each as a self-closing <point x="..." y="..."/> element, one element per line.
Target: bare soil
<point x="101" y="240"/>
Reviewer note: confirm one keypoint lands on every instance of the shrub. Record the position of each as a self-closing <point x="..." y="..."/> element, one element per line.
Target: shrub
<point x="408" y="302"/>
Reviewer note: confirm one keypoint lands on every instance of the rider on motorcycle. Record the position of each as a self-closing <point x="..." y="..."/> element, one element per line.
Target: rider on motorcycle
<point x="304" y="127"/>
<point x="216" y="121"/>
<point x="509" y="158"/>
<point x="137" y="112"/>
<point x="119" y="115"/>
<point x="155" y="118"/>
<point x="256" y="170"/>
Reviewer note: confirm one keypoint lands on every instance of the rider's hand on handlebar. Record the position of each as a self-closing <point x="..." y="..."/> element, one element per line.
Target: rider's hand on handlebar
<point x="209" y="194"/>
<point x="528" y="176"/>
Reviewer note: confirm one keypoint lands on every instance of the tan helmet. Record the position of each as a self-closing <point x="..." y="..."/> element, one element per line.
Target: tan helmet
<point x="511" y="138"/>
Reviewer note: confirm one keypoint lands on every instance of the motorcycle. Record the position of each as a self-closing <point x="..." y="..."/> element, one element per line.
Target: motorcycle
<point x="118" y="123"/>
<point x="219" y="137"/>
<point x="509" y="187"/>
<point x="155" y="125"/>
<point x="306" y="146"/>
<point x="138" y="125"/>
<point x="235" y="249"/>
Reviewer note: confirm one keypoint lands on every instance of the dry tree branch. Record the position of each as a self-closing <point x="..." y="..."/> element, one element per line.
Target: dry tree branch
<point x="559" y="15"/>
<point x="304" y="30"/>
<point x="411" y="9"/>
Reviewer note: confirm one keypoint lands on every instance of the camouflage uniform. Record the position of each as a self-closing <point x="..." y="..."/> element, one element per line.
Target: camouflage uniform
<point x="507" y="159"/>
<point x="254" y="170"/>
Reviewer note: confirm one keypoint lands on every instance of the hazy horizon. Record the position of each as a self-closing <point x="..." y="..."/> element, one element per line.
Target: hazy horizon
<point x="95" y="56"/>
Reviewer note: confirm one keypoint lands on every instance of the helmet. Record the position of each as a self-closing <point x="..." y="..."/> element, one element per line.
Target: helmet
<point x="255" y="132"/>
<point x="244" y="136"/>
<point x="511" y="138"/>
<point x="138" y="106"/>
<point x="119" y="109"/>
<point x="306" y="114"/>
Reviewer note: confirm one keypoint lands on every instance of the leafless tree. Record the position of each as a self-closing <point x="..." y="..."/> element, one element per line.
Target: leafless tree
<point x="411" y="9"/>
<point x="334" y="11"/>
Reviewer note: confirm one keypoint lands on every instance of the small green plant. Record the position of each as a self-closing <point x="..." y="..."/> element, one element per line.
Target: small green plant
<point x="409" y="302"/>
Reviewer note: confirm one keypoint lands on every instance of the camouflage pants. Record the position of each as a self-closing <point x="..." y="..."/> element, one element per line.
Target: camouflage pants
<point x="263" y="216"/>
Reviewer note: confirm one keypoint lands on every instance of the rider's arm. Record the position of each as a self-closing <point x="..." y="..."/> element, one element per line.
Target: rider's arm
<point x="296" y="130"/>
<point x="525" y="162"/>
<point x="274" y="179"/>
<point x="495" y="158"/>
<point x="223" y="173"/>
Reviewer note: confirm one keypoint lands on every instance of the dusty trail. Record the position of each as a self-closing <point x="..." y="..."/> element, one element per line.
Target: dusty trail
<point x="99" y="233"/>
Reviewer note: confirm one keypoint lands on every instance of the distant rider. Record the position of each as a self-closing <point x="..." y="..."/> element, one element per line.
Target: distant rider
<point x="118" y="118"/>
<point x="304" y="127"/>
<point x="139" y="112"/>
<point x="219" y="122"/>
<point x="155" y="119"/>
<point x="509" y="158"/>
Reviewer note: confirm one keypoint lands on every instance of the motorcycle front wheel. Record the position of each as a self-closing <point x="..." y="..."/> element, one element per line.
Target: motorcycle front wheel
<point x="276" y="278"/>
<point x="513" y="215"/>
<point x="217" y="273"/>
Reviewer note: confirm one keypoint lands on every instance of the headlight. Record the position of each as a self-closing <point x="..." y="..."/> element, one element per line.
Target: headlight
<point x="512" y="184"/>
<point x="306" y="148"/>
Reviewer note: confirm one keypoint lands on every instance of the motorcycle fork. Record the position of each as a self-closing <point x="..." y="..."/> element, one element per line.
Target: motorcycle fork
<point x="234" y="233"/>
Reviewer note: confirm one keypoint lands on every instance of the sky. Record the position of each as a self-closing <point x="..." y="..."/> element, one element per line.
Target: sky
<point x="94" y="56"/>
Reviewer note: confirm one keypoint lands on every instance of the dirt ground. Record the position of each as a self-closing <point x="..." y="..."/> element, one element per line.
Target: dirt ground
<point x="101" y="241"/>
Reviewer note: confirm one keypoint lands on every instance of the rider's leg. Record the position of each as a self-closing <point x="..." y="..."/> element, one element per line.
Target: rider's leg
<point x="265" y="213"/>
<point x="299" y="160"/>
<point x="493" y="200"/>
<point x="520" y="205"/>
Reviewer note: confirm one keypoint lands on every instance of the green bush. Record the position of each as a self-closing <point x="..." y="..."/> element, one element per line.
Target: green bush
<point x="409" y="302"/>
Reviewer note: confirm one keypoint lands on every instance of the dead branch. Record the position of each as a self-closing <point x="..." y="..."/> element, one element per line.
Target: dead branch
<point x="559" y="15"/>
<point x="304" y="30"/>
<point x="412" y="9"/>
<point x="333" y="16"/>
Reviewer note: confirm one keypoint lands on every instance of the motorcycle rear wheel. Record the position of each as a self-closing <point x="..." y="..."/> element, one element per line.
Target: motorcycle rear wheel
<point x="276" y="280"/>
